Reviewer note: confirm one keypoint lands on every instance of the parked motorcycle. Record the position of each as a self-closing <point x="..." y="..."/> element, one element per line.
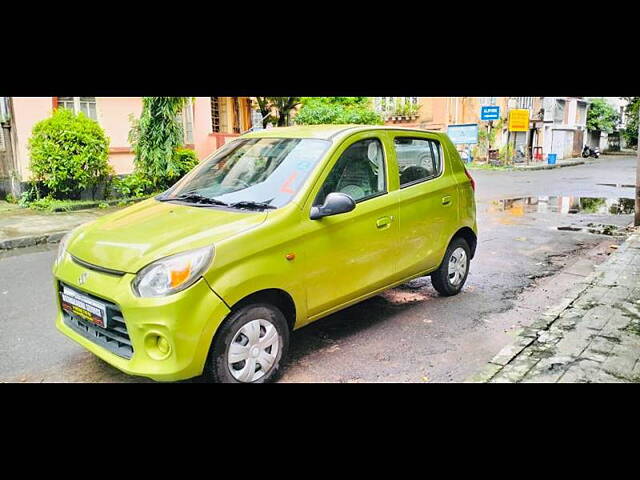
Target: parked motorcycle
<point x="590" y="152"/>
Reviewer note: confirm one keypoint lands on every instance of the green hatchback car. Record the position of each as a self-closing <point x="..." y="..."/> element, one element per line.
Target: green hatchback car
<point x="273" y="231"/>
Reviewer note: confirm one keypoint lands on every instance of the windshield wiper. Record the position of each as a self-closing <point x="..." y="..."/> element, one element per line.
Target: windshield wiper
<point x="195" y="198"/>
<point x="248" y="204"/>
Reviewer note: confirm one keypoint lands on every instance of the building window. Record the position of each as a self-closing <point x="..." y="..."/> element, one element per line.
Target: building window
<point x="487" y="101"/>
<point x="525" y="103"/>
<point x="236" y="115"/>
<point x="86" y="105"/>
<point x="558" y="113"/>
<point x="388" y="106"/>
<point x="187" y="123"/>
<point x="4" y="109"/>
<point x="581" y="113"/>
<point x="224" y="114"/>
<point x="215" y="114"/>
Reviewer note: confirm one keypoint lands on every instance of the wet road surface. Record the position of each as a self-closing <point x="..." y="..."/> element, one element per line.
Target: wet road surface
<point x="408" y="334"/>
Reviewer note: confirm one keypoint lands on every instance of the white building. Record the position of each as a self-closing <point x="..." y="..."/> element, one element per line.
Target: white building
<point x="564" y="126"/>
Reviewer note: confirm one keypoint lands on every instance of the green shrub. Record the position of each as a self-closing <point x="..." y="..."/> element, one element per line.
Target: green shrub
<point x="135" y="185"/>
<point x="138" y="184"/>
<point x="184" y="160"/>
<point x="45" y="203"/>
<point x="10" y="198"/>
<point x="601" y="116"/>
<point x="156" y="135"/>
<point x="28" y="196"/>
<point x="69" y="154"/>
<point x="337" y="110"/>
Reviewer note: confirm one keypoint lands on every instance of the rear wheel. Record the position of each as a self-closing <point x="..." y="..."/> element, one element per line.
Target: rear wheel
<point x="451" y="276"/>
<point x="250" y="346"/>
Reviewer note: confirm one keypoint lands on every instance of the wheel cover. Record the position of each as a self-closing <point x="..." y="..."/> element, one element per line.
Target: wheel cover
<point x="253" y="350"/>
<point x="458" y="264"/>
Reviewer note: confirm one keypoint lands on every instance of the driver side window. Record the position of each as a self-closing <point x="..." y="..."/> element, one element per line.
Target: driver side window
<point x="359" y="172"/>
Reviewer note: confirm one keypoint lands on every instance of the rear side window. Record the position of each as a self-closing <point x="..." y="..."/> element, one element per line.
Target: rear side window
<point x="419" y="159"/>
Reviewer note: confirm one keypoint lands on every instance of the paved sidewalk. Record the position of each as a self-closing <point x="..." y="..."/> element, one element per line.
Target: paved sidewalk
<point x="22" y="227"/>
<point x="593" y="335"/>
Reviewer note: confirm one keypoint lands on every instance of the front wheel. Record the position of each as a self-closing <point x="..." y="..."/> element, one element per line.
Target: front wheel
<point x="451" y="276"/>
<point x="250" y="346"/>
<point x="585" y="154"/>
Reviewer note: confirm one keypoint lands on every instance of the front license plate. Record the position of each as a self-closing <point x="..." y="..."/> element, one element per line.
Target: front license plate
<point x="84" y="307"/>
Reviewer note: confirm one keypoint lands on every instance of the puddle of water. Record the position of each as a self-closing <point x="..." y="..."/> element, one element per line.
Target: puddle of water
<point x="616" y="185"/>
<point x="564" y="205"/>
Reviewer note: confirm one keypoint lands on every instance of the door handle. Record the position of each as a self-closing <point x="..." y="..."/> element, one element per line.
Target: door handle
<point x="446" y="200"/>
<point x="384" y="222"/>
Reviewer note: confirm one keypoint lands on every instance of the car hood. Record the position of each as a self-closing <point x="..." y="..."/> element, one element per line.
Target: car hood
<point x="132" y="238"/>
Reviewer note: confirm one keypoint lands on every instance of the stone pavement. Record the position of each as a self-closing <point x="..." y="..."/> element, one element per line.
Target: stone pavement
<point x="21" y="227"/>
<point x="593" y="335"/>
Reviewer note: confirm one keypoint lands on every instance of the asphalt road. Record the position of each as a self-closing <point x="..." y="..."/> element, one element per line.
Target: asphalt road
<point x="408" y="334"/>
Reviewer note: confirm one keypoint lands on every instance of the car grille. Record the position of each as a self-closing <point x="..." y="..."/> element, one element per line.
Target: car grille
<point x="114" y="338"/>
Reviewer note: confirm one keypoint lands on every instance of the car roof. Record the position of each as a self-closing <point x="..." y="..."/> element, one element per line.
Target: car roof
<point x="324" y="132"/>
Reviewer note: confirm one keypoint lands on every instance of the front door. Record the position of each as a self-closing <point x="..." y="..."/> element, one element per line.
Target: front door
<point x="351" y="254"/>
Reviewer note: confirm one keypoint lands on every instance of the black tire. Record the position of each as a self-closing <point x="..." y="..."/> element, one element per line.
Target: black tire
<point x="585" y="155"/>
<point x="217" y="368"/>
<point x="440" y="278"/>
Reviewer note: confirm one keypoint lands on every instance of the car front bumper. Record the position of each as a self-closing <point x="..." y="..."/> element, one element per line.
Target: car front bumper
<point x="187" y="321"/>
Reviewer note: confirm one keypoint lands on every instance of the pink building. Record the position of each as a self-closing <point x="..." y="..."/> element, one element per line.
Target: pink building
<point x="208" y="122"/>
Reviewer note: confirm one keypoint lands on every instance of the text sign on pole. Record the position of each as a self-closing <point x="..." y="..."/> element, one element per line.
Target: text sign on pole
<point x="463" y="134"/>
<point x="489" y="113"/>
<point x="519" y="120"/>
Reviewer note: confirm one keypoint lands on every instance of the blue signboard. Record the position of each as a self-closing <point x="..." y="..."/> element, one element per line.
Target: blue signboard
<point x="490" y="113"/>
<point x="463" y="134"/>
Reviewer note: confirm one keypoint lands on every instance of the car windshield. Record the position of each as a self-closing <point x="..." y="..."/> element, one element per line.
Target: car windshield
<point x="253" y="173"/>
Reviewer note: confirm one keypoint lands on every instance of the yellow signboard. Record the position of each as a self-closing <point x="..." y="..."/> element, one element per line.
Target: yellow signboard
<point x="518" y="120"/>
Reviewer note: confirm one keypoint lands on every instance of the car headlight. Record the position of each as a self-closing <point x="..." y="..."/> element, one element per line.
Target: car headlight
<point x="62" y="247"/>
<point x="172" y="274"/>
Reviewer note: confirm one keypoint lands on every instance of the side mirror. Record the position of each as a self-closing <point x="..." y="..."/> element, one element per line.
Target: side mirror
<point x="334" y="204"/>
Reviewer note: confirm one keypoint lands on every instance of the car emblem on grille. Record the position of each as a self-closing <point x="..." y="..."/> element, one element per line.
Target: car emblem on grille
<point x="82" y="279"/>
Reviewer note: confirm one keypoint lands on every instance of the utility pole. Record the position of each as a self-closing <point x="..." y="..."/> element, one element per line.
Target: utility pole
<point x="637" y="206"/>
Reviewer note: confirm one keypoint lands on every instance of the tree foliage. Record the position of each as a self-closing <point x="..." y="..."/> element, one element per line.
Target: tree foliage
<point x="632" y="111"/>
<point x="69" y="154"/>
<point x="156" y="139"/>
<point x="601" y="116"/>
<point x="280" y="109"/>
<point x="337" y="110"/>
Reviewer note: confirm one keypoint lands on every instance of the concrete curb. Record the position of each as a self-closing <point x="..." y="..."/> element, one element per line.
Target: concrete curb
<point x="22" y="242"/>
<point x="550" y="167"/>
<point x="540" y="326"/>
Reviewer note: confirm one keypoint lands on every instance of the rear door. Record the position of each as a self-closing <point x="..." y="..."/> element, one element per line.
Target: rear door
<point x="427" y="202"/>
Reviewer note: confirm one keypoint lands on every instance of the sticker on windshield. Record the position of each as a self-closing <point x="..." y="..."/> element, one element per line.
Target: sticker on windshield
<point x="303" y="165"/>
<point x="286" y="186"/>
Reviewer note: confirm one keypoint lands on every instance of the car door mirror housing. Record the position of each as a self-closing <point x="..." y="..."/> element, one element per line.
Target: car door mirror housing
<point x="335" y="204"/>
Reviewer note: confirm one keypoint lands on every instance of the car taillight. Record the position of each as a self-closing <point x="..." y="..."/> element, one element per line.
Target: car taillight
<point x="473" y="182"/>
